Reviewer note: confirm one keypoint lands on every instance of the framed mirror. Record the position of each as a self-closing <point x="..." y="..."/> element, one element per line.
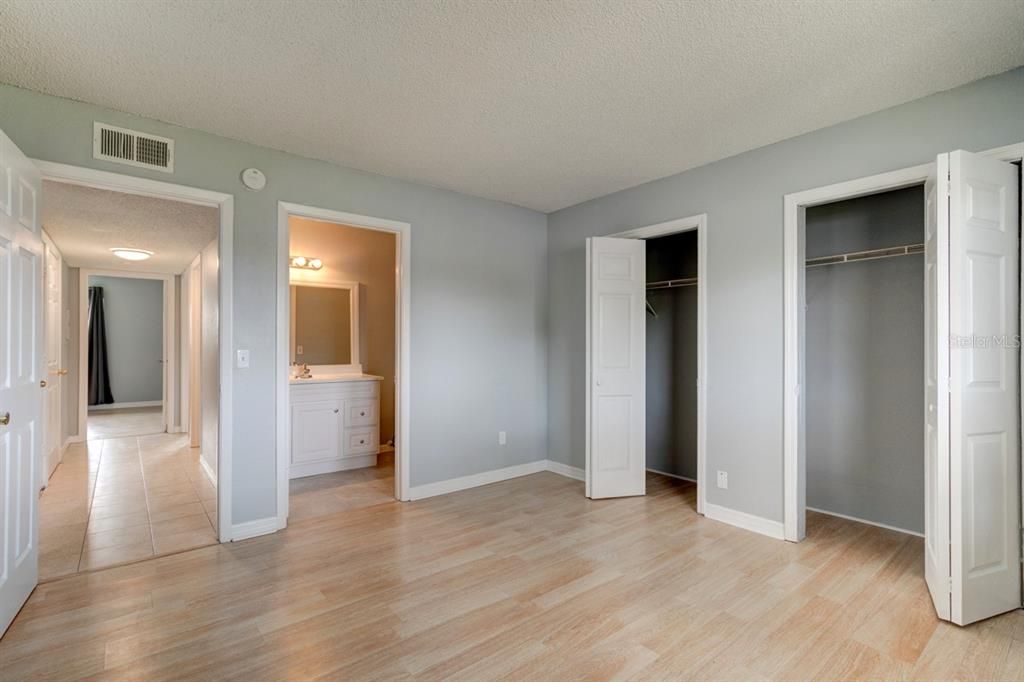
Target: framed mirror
<point x="325" y="325"/>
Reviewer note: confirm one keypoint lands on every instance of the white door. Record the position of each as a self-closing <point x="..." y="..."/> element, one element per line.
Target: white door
<point x="21" y="370"/>
<point x="52" y="433"/>
<point x="936" y="391"/>
<point x="972" y="514"/>
<point x="615" y="404"/>
<point x="983" y="408"/>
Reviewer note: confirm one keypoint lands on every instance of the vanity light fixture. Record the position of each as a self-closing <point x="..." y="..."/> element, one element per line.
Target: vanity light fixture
<point x="306" y="263"/>
<point x="131" y="254"/>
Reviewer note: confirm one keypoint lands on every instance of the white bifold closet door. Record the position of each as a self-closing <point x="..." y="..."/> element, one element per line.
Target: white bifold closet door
<point x="616" y="379"/>
<point x="972" y="431"/>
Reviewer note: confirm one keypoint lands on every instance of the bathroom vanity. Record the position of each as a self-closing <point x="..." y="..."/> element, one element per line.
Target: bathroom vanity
<point x="335" y="423"/>
<point x="335" y="407"/>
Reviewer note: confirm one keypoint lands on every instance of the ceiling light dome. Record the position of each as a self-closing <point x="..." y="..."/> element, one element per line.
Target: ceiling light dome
<point x="131" y="254"/>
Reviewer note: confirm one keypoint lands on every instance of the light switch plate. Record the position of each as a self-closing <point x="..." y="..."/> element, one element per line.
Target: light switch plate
<point x="502" y="438"/>
<point x="242" y="359"/>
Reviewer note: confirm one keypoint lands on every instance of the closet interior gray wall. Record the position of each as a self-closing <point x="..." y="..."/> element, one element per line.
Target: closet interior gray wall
<point x="672" y="357"/>
<point x="864" y="361"/>
<point x="134" y="310"/>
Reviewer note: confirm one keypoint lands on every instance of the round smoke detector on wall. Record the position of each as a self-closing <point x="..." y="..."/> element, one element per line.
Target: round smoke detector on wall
<point x="254" y="179"/>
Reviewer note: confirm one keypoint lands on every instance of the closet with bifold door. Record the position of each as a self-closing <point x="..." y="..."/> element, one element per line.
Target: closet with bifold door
<point x="864" y="358"/>
<point x="671" y="347"/>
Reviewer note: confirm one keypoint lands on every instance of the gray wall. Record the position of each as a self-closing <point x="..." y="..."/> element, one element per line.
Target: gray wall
<point x="209" y="354"/>
<point x="134" y="310"/>
<point x="864" y="360"/>
<point x="743" y="198"/>
<point x="479" y="292"/>
<point x="69" y="350"/>
<point x="672" y="358"/>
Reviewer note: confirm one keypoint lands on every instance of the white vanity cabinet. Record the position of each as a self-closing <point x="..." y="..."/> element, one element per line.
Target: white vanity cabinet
<point x="335" y="424"/>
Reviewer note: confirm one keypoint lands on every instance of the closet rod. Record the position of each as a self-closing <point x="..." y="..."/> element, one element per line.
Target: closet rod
<point x="871" y="254"/>
<point x="673" y="283"/>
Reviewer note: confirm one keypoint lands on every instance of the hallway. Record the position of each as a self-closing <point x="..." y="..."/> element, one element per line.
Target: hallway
<point x="120" y="500"/>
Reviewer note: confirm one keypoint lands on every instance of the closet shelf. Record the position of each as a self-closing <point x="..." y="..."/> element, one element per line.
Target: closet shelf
<point x="871" y="254"/>
<point x="673" y="283"/>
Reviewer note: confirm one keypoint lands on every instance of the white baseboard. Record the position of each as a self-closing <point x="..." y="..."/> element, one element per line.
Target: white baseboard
<point x="252" y="529"/>
<point x="566" y="470"/>
<point x="331" y="465"/>
<point x="756" y="524"/>
<point x="76" y="439"/>
<point x="210" y="474"/>
<point x="665" y="473"/>
<point x="125" y="406"/>
<point x="452" y="485"/>
<point x="870" y="523"/>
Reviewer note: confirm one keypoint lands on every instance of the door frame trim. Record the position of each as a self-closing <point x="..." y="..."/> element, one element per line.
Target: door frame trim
<point x="225" y="203"/>
<point x="794" y="208"/>
<point x="697" y="222"/>
<point x="403" y="343"/>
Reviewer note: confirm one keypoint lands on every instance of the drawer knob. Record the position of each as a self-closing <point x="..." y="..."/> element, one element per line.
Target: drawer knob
<point x="335" y="411"/>
<point x="361" y="441"/>
<point x="362" y="414"/>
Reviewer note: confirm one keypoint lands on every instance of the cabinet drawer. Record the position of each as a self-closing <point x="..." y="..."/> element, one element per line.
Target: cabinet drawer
<point x="360" y="412"/>
<point x="360" y="441"/>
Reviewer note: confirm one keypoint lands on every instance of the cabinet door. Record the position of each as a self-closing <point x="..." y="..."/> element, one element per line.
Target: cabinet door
<point x="315" y="430"/>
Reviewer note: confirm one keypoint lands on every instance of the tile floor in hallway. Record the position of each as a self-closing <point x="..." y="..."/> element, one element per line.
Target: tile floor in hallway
<point x="315" y="496"/>
<point x="117" y="500"/>
<point x="127" y="422"/>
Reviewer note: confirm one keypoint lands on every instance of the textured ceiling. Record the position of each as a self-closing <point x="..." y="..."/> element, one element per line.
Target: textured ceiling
<point x="542" y="104"/>
<point x="86" y="223"/>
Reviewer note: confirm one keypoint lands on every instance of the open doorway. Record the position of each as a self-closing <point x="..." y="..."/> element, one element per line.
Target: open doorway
<point x="129" y="485"/>
<point x="125" y="335"/>
<point x="344" y="358"/>
<point x="646" y="345"/>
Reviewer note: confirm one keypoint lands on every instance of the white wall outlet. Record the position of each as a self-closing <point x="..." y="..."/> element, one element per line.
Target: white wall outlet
<point x="502" y="438"/>
<point x="723" y="479"/>
<point x="298" y="350"/>
<point x="242" y="359"/>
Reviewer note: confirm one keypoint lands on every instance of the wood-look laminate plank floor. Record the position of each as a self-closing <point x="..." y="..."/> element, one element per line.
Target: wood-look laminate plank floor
<point x="520" y="580"/>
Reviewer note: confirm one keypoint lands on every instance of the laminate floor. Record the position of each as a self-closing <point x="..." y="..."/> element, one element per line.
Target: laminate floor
<point x="118" y="500"/>
<point x="315" y="496"/>
<point x="520" y="580"/>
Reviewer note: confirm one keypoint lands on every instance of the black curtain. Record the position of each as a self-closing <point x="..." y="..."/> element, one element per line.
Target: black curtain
<point x="99" y="373"/>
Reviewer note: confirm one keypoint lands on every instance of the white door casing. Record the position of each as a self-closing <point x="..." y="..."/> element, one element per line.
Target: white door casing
<point x="984" y="417"/>
<point x="21" y="370"/>
<point x="936" y="373"/>
<point x="615" y="403"/>
<point x="52" y="433"/>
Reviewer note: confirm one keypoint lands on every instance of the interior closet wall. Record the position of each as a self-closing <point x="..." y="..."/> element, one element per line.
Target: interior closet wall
<point x="865" y="361"/>
<point x="672" y="357"/>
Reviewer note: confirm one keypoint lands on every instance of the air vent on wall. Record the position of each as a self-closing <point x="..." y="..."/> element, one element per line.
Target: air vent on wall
<point x="132" y="148"/>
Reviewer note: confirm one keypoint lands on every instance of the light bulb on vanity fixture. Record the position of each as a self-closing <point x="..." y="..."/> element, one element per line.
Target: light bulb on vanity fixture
<point x="305" y="263"/>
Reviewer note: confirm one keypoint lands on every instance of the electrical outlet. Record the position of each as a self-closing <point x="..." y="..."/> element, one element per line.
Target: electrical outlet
<point x="502" y="438"/>
<point x="298" y="350"/>
<point x="723" y="479"/>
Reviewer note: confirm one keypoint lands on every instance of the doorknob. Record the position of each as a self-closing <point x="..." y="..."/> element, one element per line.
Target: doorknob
<point x="42" y="384"/>
<point x="5" y="419"/>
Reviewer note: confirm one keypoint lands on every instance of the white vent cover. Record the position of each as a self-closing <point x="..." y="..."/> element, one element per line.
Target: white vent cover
<point x="130" y="147"/>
